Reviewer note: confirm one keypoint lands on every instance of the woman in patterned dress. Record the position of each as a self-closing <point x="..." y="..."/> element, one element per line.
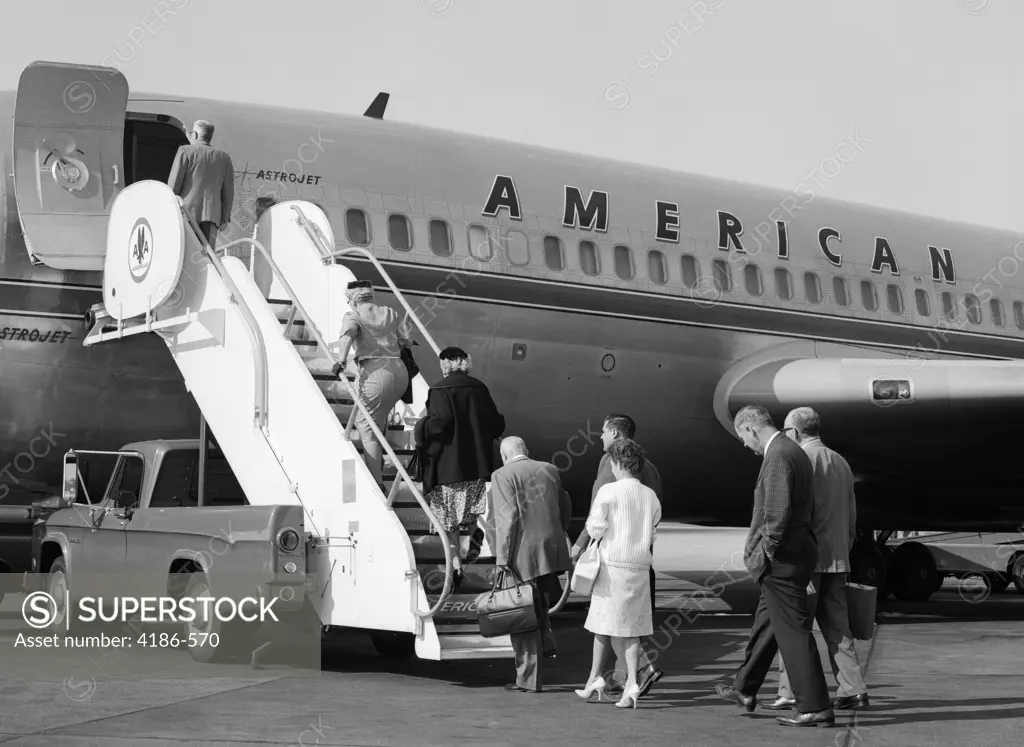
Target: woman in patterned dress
<point x="457" y="435"/>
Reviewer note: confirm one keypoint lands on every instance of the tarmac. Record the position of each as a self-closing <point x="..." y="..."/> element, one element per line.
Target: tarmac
<point x="946" y="671"/>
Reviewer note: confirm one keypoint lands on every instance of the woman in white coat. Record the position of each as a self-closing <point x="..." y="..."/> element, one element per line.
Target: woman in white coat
<point x="623" y="520"/>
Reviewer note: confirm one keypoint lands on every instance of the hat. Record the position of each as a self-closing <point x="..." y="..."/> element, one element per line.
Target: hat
<point x="360" y="284"/>
<point x="453" y="354"/>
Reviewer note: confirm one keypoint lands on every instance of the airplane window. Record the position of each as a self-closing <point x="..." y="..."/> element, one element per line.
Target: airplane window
<point x="553" y="253"/>
<point x="590" y="261"/>
<point x="480" y="243"/>
<point x="973" y="307"/>
<point x="839" y="289"/>
<point x="356" y="228"/>
<point x="1018" y="314"/>
<point x="812" y="287"/>
<point x="783" y="286"/>
<point x="895" y="297"/>
<point x="996" y="306"/>
<point x="722" y="275"/>
<point x="949" y="305"/>
<point x="399" y="232"/>
<point x="867" y="295"/>
<point x="691" y="271"/>
<point x="924" y="306"/>
<point x="440" y="238"/>
<point x="623" y="262"/>
<point x="656" y="267"/>
<point x="752" y="279"/>
<point x="517" y="247"/>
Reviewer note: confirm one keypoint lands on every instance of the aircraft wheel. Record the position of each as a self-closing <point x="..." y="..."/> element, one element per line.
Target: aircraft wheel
<point x="915" y="577"/>
<point x="997" y="582"/>
<point x="1017" y="573"/>
<point x="392" y="645"/>
<point x="869" y="563"/>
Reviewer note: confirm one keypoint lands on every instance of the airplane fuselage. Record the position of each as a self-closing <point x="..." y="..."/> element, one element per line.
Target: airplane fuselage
<point x="581" y="287"/>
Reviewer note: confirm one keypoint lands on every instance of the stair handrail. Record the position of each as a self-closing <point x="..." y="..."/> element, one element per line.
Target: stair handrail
<point x="322" y="343"/>
<point x="262" y="385"/>
<point x="327" y="253"/>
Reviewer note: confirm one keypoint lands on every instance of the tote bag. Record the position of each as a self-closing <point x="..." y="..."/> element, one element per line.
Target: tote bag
<point x="587" y="567"/>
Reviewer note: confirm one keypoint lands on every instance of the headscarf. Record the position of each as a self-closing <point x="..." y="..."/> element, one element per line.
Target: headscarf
<point x="359" y="291"/>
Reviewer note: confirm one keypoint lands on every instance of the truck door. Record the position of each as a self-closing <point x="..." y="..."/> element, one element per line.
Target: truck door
<point x="107" y="548"/>
<point x="68" y="160"/>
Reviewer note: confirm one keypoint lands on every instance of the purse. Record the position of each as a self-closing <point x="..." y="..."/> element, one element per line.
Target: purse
<point x="506" y="611"/>
<point x="584" y="575"/>
<point x="415" y="465"/>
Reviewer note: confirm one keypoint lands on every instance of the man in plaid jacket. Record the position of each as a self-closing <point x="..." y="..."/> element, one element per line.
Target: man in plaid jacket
<point x="780" y="554"/>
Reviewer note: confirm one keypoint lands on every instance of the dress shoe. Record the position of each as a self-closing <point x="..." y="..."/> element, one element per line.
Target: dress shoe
<point x="747" y="702"/>
<point x="851" y="702"/>
<point x="512" y="687"/>
<point x="821" y="718"/>
<point x="648" y="676"/>
<point x="780" y="704"/>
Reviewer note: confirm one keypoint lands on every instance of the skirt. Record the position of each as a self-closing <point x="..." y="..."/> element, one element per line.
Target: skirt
<point x="382" y="383"/>
<point x="454" y="504"/>
<point x="620" y="605"/>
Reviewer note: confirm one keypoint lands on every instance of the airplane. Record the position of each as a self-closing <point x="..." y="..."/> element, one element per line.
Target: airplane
<point x="581" y="286"/>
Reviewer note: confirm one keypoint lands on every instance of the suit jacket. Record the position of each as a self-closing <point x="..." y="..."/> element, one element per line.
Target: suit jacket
<point x="780" y="538"/>
<point x="834" y="515"/>
<point x="204" y="178"/>
<point x="531" y="516"/>
<point x="458" y="431"/>
<point x="650" y="478"/>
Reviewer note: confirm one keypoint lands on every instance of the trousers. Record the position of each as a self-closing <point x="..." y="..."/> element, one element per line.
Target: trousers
<point x="782" y="622"/>
<point x="829" y="606"/>
<point x="529" y="648"/>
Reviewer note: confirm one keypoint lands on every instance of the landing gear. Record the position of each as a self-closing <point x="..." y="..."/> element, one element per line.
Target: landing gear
<point x="1017" y="573"/>
<point x="870" y="562"/>
<point x="916" y="576"/>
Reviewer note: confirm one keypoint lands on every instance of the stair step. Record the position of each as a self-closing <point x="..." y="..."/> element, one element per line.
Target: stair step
<point x="477" y="578"/>
<point x="460" y="647"/>
<point x="428" y="549"/>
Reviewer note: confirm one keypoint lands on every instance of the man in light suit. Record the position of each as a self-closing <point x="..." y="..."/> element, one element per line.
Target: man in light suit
<point x="531" y="517"/>
<point x="834" y="523"/>
<point x="204" y="178"/>
<point x="781" y="555"/>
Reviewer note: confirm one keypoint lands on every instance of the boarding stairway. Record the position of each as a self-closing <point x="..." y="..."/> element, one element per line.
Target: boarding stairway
<point x="261" y="372"/>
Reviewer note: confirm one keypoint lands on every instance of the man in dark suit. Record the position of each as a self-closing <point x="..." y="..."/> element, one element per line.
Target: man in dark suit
<point x="204" y="178"/>
<point x="531" y="517"/>
<point x="616" y="427"/>
<point x="780" y="554"/>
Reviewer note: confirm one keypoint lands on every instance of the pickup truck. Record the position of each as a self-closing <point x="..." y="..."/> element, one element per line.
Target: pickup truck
<point x="164" y="528"/>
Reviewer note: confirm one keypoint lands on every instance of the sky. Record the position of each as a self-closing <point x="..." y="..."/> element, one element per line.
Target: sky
<point x="759" y="91"/>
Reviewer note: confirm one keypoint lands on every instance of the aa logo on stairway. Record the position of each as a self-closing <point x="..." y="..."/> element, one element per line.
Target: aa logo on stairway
<point x="140" y="250"/>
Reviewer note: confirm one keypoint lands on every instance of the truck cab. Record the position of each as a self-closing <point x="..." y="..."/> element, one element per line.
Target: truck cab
<point x="172" y="522"/>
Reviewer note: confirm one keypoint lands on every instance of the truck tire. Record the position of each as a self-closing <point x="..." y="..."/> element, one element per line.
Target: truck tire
<point x="997" y="582"/>
<point x="394" y="646"/>
<point x="916" y="572"/>
<point x="57" y="586"/>
<point x="1017" y="573"/>
<point x="212" y="640"/>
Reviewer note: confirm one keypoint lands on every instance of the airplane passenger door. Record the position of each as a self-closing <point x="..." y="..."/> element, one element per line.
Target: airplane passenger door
<point x="68" y="160"/>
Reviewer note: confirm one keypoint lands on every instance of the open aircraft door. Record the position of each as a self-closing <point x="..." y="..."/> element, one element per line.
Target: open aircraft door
<point x="68" y="160"/>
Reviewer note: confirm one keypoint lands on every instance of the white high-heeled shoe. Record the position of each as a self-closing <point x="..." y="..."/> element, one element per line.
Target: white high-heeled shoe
<point x="629" y="694"/>
<point x="597" y="686"/>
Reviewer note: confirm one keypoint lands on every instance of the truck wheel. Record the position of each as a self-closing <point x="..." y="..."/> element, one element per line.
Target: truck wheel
<point x="57" y="587"/>
<point x="868" y="563"/>
<point x="915" y="577"/>
<point x="392" y="645"/>
<point x="1017" y="573"/>
<point x="212" y="640"/>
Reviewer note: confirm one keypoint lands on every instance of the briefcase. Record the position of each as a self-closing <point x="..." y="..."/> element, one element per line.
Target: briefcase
<point x="506" y="611"/>
<point x="860" y="601"/>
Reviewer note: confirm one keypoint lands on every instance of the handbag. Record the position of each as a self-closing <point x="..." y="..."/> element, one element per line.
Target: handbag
<point x="506" y="611"/>
<point x="584" y="575"/>
<point x="415" y="465"/>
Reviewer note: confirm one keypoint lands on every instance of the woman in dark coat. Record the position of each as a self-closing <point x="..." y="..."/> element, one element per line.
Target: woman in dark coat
<point x="457" y="435"/>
